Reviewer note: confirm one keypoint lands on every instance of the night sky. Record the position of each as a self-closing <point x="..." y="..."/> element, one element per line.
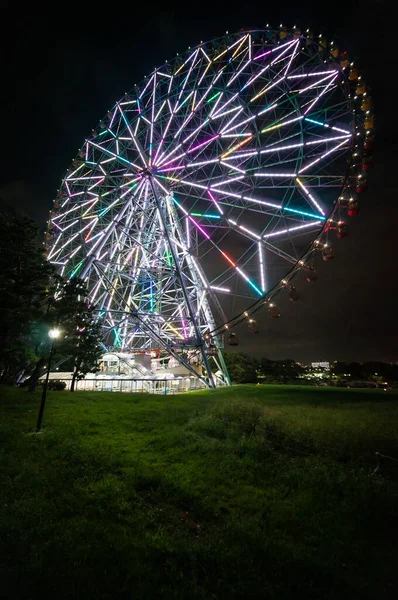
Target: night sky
<point x="61" y="72"/>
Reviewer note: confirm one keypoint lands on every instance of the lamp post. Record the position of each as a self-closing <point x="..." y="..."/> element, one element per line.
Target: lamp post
<point x="53" y="334"/>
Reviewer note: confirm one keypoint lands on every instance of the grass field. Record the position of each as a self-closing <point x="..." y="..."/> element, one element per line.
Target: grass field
<point x="246" y="492"/>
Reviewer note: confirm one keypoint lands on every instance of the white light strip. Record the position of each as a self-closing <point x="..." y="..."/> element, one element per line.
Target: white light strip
<point x="281" y="124"/>
<point x="224" y="130"/>
<point x="277" y="148"/>
<point x="232" y="167"/>
<point x="278" y="206"/>
<point x="273" y="50"/>
<point x="199" y="164"/>
<point x="242" y="273"/>
<point x="227" y="181"/>
<point x="226" y="104"/>
<point x="311" y="74"/>
<point x="242" y="39"/>
<point x="220" y="289"/>
<point x="315" y="84"/>
<point x="227" y="112"/>
<point x="323" y="156"/>
<point x="220" y="210"/>
<point x="205" y="54"/>
<point x="288" y="230"/>
<point x="238" y="72"/>
<point x="159" y="111"/>
<point x="225" y="193"/>
<point x="199" y="273"/>
<point x="250" y="232"/>
<point x="314" y="202"/>
<point x="242" y="155"/>
<point x="320" y="95"/>
<point x="149" y="81"/>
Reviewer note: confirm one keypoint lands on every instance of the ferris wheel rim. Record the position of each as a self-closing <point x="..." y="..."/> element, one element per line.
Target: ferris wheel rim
<point x="328" y="215"/>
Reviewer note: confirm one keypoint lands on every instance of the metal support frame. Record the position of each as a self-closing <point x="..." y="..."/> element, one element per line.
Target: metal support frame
<point x="182" y="282"/>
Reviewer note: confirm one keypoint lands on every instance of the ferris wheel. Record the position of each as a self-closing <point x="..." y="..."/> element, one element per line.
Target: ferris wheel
<point x="206" y="191"/>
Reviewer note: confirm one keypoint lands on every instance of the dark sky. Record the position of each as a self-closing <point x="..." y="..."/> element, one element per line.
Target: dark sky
<point x="62" y="70"/>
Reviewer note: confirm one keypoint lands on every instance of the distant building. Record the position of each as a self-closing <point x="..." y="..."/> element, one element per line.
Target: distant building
<point x="321" y="365"/>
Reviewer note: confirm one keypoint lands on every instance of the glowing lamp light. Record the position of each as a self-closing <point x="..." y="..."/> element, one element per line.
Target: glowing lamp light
<point x="54" y="333"/>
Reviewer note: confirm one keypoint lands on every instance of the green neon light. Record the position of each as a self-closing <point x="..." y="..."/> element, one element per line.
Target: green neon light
<point x="255" y="288"/>
<point x="305" y="214"/>
<point x="205" y="215"/>
<point x="109" y="207"/>
<point x="103" y="211"/>
<point x="312" y="121"/>
<point x="168" y="258"/>
<point x="215" y="96"/>
<point x="172" y="197"/>
<point x="123" y="160"/>
<point x="118" y="339"/>
<point x="76" y="269"/>
<point x="271" y="126"/>
<point x="152" y="300"/>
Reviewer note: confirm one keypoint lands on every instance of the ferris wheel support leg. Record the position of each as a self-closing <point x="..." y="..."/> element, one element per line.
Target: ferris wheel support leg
<point x="160" y="341"/>
<point x="183" y="287"/>
<point x="224" y="367"/>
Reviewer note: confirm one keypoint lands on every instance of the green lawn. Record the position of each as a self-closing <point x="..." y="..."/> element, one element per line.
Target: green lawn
<point x="246" y="492"/>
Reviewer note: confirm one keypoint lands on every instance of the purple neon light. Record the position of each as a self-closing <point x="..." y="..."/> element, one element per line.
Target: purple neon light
<point x="199" y="227"/>
<point x="273" y="50"/>
<point x="203" y="143"/>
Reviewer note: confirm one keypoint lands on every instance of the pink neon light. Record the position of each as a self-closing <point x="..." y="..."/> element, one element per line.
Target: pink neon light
<point x="261" y="55"/>
<point x="274" y="50"/>
<point x="175" y="158"/>
<point x="200" y="228"/>
<point x="203" y="143"/>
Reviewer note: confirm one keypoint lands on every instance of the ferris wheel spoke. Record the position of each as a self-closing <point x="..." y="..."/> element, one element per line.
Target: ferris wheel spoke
<point x="320" y="95"/>
<point x="324" y="155"/>
<point x="133" y="137"/>
<point x="307" y="194"/>
<point x="109" y="153"/>
<point x="192" y="115"/>
<point x="267" y="67"/>
<point x="230" y="261"/>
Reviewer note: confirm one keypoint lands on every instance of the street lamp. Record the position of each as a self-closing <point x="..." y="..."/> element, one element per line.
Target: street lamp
<point x="53" y="335"/>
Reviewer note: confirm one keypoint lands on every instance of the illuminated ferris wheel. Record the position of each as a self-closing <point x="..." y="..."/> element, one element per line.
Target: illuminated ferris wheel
<point x="210" y="187"/>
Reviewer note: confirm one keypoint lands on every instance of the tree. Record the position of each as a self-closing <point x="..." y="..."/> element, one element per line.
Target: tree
<point x="81" y="332"/>
<point x="339" y="369"/>
<point x="24" y="294"/>
<point x="280" y="370"/>
<point x="242" y="368"/>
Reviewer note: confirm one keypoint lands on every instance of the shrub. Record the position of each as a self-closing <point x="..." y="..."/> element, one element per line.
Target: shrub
<point x="56" y="385"/>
